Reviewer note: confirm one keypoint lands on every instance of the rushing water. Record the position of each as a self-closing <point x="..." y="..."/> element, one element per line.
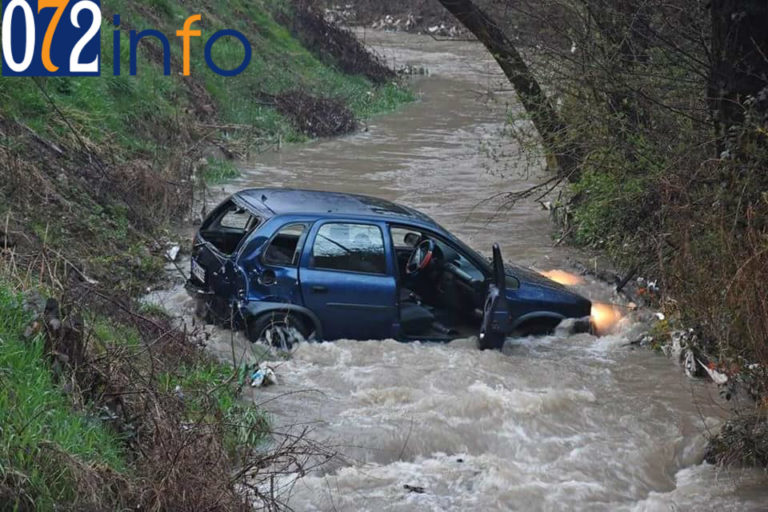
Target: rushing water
<point x="557" y="423"/>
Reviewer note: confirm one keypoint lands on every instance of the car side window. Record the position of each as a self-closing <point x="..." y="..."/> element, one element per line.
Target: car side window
<point x="285" y="247"/>
<point x="350" y="247"/>
<point x="404" y="237"/>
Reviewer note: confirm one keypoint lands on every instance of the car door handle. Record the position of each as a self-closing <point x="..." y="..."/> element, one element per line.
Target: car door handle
<point x="319" y="289"/>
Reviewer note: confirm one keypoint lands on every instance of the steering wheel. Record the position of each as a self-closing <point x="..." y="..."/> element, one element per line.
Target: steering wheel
<point x="420" y="258"/>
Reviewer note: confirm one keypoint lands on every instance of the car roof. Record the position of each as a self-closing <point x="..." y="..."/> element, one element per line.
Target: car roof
<point x="284" y="201"/>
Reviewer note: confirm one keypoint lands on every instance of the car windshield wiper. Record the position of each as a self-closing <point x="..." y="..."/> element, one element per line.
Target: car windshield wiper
<point x="334" y="242"/>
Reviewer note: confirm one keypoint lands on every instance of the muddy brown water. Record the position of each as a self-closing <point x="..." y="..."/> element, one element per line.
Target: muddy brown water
<point x="564" y="422"/>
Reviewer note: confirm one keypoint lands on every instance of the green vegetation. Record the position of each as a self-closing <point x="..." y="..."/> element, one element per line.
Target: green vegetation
<point x="218" y="170"/>
<point x="133" y="114"/>
<point x="63" y="444"/>
<point x="46" y="446"/>
<point x="209" y="382"/>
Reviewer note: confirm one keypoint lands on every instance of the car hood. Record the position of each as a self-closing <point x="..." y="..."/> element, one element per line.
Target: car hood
<point x="528" y="276"/>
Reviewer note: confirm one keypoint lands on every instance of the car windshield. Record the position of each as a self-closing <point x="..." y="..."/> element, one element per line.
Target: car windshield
<point x="471" y="253"/>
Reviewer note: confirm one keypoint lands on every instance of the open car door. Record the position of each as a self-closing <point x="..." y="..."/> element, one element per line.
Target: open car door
<point x="493" y="330"/>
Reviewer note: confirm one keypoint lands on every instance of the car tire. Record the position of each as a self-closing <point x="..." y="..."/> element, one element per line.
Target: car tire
<point x="541" y="327"/>
<point x="278" y="329"/>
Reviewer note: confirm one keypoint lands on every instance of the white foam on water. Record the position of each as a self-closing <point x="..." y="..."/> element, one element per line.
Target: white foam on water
<point x="573" y="422"/>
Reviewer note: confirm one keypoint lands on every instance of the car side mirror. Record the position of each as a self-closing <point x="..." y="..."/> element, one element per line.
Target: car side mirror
<point x="411" y="239"/>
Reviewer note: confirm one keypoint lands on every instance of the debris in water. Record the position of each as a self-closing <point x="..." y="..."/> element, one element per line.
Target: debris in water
<point x="674" y="350"/>
<point x="411" y="71"/>
<point x="689" y="364"/>
<point x="263" y="376"/>
<point x="172" y="253"/>
<point x="717" y="377"/>
<point x="312" y="115"/>
<point x="414" y="488"/>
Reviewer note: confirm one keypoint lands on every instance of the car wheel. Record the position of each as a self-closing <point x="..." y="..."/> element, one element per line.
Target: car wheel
<point x="279" y="329"/>
<point x="542" y="327"/>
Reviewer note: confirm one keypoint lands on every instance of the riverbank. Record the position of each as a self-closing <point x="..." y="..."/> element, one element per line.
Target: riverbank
<point x="117" y="410"/>
<point x="96" y="172"/>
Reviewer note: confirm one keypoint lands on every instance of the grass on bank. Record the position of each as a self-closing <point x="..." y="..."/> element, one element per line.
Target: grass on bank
<point x="57" y="452"/>
<point x="217" y="171"/>
<point x="41" y="435"/>
<point x="134" y="114"/>
<point x="247" y="427"/>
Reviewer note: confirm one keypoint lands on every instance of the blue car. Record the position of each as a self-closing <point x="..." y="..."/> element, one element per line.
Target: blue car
<point x="287" y="265"/>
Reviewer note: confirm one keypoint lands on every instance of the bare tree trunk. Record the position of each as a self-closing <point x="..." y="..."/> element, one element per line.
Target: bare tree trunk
<point x="545" y="118"/>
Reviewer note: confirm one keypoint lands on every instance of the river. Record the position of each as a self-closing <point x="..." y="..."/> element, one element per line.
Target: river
<point x="566" y="422"/>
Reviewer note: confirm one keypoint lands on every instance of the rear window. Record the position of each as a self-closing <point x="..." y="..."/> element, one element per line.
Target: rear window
<point x="350" y="248"/>
<point x="236" y="218"/>
<point x="228" y="225"/>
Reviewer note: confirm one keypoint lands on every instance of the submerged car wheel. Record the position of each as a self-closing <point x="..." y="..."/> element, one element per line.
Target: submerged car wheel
<point x="279" y="329"/>
<point x="537" y="327"/>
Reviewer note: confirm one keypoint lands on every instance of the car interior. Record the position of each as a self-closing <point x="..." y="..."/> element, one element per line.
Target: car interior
<point x="283" y="249"/>
<point x="441" y="291"/>
<point x="228" y="225"/>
